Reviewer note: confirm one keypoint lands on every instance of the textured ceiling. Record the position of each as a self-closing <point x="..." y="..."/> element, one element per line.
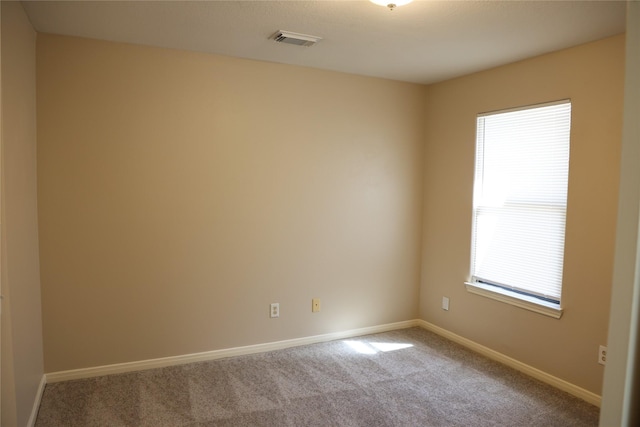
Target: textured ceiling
<point x="424" y="42"/>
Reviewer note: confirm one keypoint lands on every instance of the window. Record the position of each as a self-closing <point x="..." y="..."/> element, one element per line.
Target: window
<point x="519" y="206"/>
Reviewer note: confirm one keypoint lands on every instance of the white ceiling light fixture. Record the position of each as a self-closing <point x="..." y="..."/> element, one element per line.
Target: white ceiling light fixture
<point x="391" y="4"/>
<point x="295" y="38"/>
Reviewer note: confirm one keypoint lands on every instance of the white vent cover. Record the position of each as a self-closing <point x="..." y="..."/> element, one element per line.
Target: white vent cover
<point x="295" y="38"/>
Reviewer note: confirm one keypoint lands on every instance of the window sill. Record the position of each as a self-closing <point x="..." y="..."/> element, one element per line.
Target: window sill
<point x="522" y="301"/>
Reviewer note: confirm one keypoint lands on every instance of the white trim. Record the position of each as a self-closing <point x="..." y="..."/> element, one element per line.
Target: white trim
<point x="277" y="345"/>
<point x="218" y="354"/>
<point x="525" y="107"/>
<point x="36" y="402"/>
<point x="556" y="382"/>
<point x="513" y="298"/>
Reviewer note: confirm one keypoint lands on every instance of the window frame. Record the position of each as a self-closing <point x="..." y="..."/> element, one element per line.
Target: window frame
<point x="495" y="291"/>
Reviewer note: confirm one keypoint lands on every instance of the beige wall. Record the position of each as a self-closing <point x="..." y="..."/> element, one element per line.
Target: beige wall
<point x="592" y="77"/>
<point x="22" y="359"/>
<point x="181" y="193"/>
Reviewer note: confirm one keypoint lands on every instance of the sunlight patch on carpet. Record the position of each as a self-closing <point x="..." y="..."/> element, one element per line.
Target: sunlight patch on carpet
<point x="363" y="347"/>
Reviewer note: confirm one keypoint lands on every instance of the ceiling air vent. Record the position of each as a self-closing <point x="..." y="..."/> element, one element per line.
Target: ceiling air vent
<point x="295" y="38"/>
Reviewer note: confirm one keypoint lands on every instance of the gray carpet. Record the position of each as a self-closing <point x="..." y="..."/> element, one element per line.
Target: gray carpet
<point x="408" y="377"/>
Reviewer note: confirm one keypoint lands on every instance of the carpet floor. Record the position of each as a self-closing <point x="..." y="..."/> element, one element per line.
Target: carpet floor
<point x="408" y="377"/>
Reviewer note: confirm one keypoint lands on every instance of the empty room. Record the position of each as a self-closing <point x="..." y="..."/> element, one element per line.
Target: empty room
<point x="328" y="213"/>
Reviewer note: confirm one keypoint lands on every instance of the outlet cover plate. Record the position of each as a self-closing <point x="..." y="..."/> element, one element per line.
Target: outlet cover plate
<point x="274" y="310"/>
<point x="602" y="355"/>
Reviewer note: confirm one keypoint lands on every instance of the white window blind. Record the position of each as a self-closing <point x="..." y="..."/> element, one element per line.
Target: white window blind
<point x="520" y="199"/>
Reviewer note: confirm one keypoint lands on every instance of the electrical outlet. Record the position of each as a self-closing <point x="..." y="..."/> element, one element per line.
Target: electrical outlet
<point x="275" y="310"/>
<point x="602" y="355"/>
<point x="445" y="303"/>
<point x="315" y="305"/>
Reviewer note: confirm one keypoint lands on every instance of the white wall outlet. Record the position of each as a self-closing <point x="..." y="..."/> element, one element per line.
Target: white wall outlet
<point x="315" y="305"/>
<point x="602" y="355"/>
<point x="275" y="310"/>
<point x="445" y="303"/>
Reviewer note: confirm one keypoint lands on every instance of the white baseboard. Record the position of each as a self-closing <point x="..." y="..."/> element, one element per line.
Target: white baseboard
<point x="141" y="365"/>
<point x="36" y="402"/>
<point x="118" y="368"/>
<point x="556" y="382"/>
